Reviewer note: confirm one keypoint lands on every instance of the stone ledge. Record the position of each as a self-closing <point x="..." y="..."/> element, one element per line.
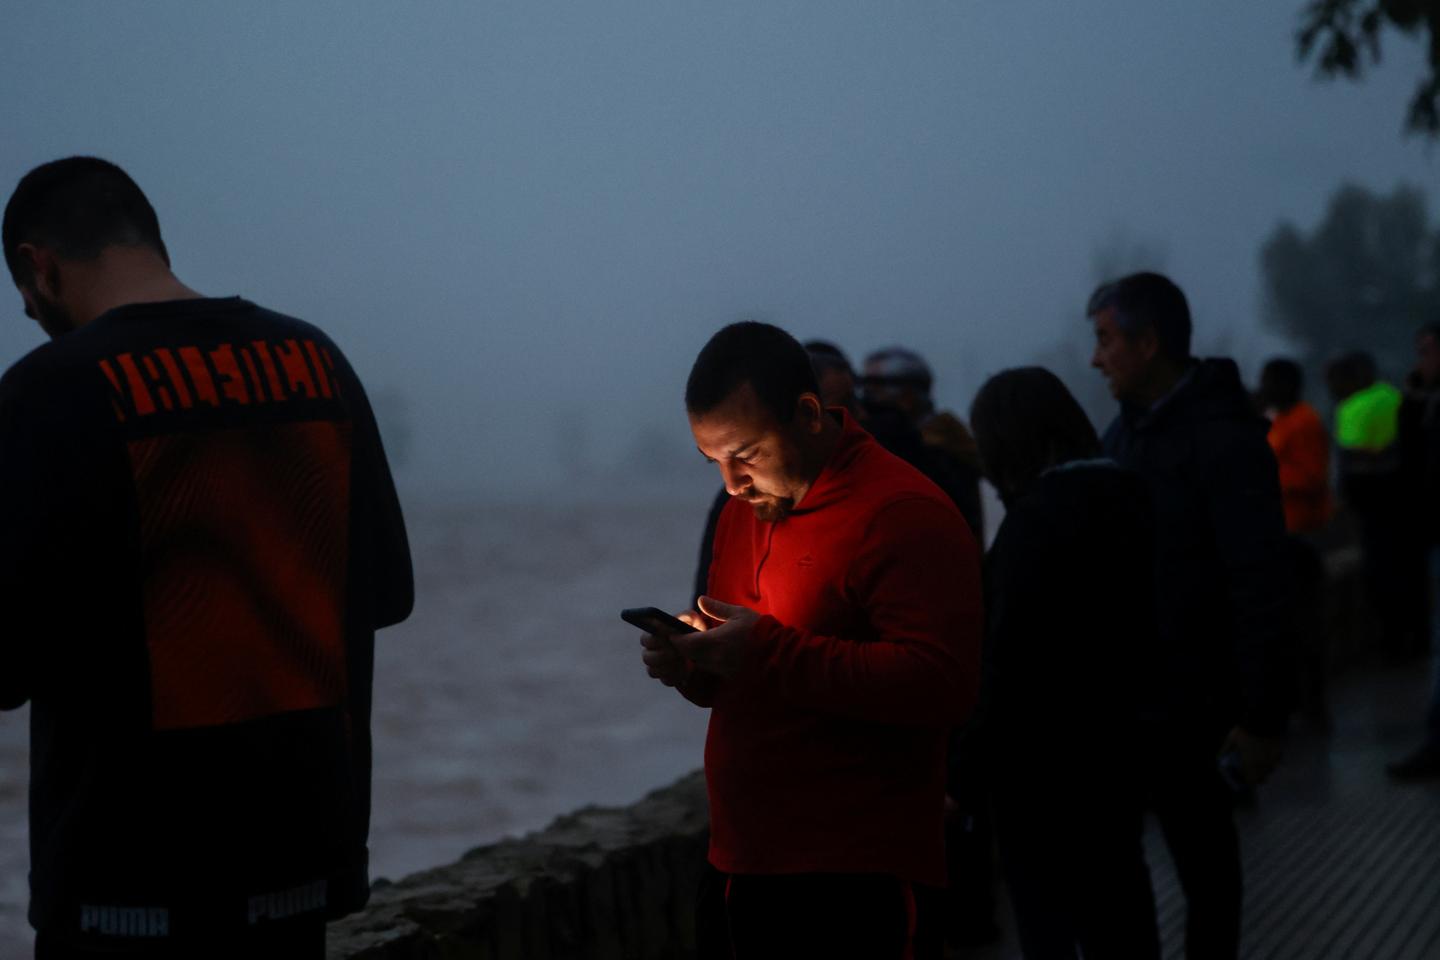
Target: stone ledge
<point x="605" y="883"/>
<point x="608" y="883"/>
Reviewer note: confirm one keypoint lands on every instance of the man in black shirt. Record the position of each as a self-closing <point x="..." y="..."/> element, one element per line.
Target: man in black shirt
<point x="200" y="536"/>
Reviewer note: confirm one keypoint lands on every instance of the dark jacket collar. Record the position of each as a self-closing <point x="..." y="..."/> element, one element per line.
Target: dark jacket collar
<point x="1209" y="390"/>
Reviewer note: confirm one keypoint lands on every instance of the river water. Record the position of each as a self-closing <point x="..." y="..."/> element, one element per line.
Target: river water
<point x="512" y="695"/>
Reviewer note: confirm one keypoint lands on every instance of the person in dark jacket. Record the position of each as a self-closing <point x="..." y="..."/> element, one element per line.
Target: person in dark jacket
<point x="200" y="537"/>
<point x="1301" y="445"/>
<point x="1419" y="442"/>
<point x="1223" y="589"/>
<point x="900" y="413"/>
<point x="1375" y="487"/>
<point x="1065" y="663"/>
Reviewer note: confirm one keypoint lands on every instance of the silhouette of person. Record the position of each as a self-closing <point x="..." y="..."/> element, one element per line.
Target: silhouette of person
<point x="200" y="538"/>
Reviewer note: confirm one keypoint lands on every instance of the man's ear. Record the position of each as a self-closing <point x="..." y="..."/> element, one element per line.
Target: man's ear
<point x="1148" y="343"/>
<point x="810" y="413"/>
<point x="43" y="268"/>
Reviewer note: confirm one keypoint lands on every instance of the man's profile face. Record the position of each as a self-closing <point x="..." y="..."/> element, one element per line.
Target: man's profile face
<point x="1427" y="355"/>
<point x="759" y="457"/>
<point x="1121" y="360"/>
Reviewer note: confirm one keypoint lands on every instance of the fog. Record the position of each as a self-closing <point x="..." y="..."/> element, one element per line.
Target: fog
<point x="522" y="219"/>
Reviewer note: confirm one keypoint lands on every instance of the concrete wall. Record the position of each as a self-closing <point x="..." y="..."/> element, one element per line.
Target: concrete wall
<point x="601" y="883"/>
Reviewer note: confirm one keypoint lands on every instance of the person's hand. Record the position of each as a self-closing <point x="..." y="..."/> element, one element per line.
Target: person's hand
<point x="1259" y="756"/>
<point x="721" y="649"/>
<point x="664" y="662"/>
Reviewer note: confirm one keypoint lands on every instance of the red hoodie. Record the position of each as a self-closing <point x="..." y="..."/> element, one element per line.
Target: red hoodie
<point x="826" y="753"/>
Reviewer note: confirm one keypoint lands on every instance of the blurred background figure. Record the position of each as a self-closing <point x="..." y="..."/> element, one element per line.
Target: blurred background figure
<point x="899" y="412"/>
<point x="835" y="375"/>
<point x="1301" y="445"/>
<point x="1372" y="485"/>
<point x="1419" y="439"/>
<point x="1071" y="636"/>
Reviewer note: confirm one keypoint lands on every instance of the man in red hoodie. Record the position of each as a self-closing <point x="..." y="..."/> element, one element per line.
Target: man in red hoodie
<point x="838" y="643"/>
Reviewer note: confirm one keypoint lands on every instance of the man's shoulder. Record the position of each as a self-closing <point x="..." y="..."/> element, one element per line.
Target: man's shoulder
<point x="879" y="478"/>
<point x="35" y="370"/>
<point x="894" y="499"/>
<point x="1225" y="437"/>
<point x="283" y="321"/>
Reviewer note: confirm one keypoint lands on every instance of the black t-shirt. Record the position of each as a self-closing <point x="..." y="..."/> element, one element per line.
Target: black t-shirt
<point x="200" y="536"/>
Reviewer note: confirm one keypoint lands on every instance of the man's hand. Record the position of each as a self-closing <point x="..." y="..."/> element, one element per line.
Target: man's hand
<point x="1259" y="756"/>
<point x="662" y="660"/>
<point x="720" y="650"/>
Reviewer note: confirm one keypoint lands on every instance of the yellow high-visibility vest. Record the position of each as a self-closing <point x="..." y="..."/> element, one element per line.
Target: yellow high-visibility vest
<point x="1368" y="419"/>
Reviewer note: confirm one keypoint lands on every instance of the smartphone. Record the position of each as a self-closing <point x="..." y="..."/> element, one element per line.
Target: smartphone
<point x="655" y="620"/>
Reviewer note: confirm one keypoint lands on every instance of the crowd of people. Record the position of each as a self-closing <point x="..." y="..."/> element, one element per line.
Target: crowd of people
<point x="201" y="537"/>
<point x="1149" y="620"/>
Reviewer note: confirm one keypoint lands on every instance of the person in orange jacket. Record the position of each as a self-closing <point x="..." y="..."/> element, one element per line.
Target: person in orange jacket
<point x="1302" y="447"/>
<point x="1302" y="454"/>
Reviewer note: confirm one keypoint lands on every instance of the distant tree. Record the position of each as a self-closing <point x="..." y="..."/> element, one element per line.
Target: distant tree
<point x="1365" y="278"/>
<point x="1344" y="38"/>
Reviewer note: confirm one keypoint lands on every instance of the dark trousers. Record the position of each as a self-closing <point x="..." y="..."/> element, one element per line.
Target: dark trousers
<point x="1197" y="818"/>
<point x="1393" y="555"/>
<point x="302" y="939"/>
<point x="962" y="913"/>
<point x="869" y="916"/>
<point x="1072" y="858"/>
<point x="1308" y="568"/>
<point x="1432" y="582"/>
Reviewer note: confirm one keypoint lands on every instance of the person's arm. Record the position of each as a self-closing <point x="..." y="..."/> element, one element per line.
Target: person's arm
<point x="1249" y="529"/>
<point x="24" y="512"/>
<point x="699" y="686"/>
<point x="664" y="662"/>
<point x="393" y="580"/>
<point x="1019" y="613"/>
<point x="917" y="577"/>
<point x="1312" y="457"/>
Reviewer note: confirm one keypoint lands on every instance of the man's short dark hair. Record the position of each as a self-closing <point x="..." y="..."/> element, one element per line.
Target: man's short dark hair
<point x="78" y="206"/>
<point x="1429" y="330"/>
<point x="760" y="354"/>
<point x="1147" y="301"/>
<point x="1282" y="381"/>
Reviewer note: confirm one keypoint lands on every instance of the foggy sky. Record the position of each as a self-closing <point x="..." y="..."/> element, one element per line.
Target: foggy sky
<point x="525" y="218"/>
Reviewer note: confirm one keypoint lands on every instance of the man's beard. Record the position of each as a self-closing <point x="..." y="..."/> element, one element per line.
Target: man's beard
<point x="772" y="509"/>
<point x="53" y="318"/>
